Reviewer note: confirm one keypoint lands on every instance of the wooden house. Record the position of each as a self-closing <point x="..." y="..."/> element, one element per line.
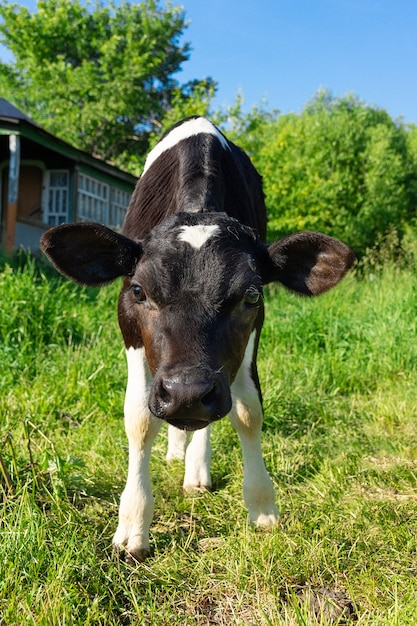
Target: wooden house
<point x="45" y="181"/>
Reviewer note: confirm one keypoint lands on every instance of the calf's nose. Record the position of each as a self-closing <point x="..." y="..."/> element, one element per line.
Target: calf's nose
<point x="175" y="394"/>
<point x="185" y="393"/>
<point x="189" y="402"/>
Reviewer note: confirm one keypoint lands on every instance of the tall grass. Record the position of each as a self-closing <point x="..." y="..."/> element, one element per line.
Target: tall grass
<point x="340" y="387"/>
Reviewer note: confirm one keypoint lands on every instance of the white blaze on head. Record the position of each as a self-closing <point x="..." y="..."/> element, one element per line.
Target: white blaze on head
<point x="190" y="128"/>
<point x="197" y="235"/>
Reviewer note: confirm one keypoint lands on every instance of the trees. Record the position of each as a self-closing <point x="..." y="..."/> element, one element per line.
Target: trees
<point x="99" y="77"/>
<point x="340" y="166"/>
<point x="103" y="78"/>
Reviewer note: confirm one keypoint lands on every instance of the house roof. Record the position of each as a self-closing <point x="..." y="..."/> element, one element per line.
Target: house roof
<point x="9" y="112"/>
<point x="11" y="116"/>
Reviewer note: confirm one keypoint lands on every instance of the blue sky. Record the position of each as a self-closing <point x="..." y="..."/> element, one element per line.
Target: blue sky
<point x="283" y="51"/>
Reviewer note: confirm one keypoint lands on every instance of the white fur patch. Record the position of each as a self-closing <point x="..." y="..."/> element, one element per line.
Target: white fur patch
<point x="243" y="385"/>
<point x="139" y="382"/>
<point x="198" y="235"/>
<point x="188" y="129"/>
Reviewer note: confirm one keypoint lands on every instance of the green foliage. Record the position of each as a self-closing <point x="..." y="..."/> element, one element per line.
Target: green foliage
<point x="340" y="380"/>
<point x="340" y="167"/>
<point x="98" y="76"/>
<point x="411" y="181"/>
<point x="102" y="78"/>
<point x="249" y="129"/>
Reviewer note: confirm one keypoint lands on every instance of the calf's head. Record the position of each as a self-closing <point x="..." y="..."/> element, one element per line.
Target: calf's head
<point x="192" y="297"/>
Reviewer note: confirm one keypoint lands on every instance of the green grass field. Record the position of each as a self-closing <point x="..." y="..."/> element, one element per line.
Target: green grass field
<point x="339" y="378"/>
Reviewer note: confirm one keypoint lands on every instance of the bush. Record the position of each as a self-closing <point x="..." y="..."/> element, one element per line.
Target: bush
<point x="340" y="167"/>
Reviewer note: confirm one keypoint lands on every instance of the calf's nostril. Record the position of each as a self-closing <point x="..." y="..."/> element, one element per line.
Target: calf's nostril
<point x="164" y="392"/>
<point x="209" y="397"/>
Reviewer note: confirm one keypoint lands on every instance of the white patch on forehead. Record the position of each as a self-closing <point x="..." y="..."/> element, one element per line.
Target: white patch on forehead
<point x="188" y="129"/>
<point x="197" y="235"/>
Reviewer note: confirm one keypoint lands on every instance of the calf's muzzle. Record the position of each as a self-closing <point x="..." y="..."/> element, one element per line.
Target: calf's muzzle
<point x="190" y="400"/>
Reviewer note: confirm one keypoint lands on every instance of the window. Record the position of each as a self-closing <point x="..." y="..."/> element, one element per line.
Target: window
<point x="98" y="202"/>
<point x="55" y="197"/>
<point x="93" y="200"/>
<point x="119" y="203"/>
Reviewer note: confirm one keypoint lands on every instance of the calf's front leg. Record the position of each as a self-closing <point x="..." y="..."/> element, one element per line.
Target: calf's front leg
<point x="136" y="502"/>
<point x="246" y="416"/>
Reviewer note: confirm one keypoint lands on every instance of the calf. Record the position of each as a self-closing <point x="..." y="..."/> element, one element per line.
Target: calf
<point x="194" y="261"/>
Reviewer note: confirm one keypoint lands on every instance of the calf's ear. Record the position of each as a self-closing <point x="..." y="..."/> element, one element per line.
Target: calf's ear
<point x="89" y="253"/>
<point x="308" y="263"/>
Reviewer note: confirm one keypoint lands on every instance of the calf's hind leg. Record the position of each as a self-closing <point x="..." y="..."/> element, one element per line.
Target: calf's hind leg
<point x="197" y="455"/>
<point x="177" y="443"/>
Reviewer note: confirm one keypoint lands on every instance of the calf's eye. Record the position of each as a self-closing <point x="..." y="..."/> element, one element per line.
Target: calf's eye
<point x="138" y="292"/>
<point x="252" y="296"/>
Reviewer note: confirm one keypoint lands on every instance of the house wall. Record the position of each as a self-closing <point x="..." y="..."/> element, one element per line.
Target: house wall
<point x="29" y="225"/>
<point x="90" y="193"/>
<point x="28" y="235"/>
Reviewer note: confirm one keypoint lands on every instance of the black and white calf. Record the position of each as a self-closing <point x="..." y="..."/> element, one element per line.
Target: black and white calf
<point x="194" y="261"/>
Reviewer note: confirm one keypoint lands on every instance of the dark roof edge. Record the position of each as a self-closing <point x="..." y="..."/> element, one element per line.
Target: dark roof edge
<point x="10" y="113"/>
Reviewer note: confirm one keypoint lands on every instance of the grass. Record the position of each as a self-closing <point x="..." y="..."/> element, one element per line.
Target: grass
<point x="340" y="381"/>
